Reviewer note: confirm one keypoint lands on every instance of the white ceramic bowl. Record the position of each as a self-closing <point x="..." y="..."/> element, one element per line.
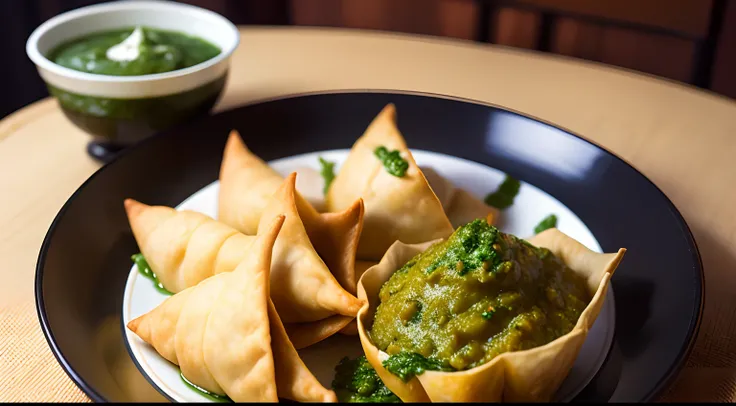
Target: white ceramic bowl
<point x="108" y="107"/>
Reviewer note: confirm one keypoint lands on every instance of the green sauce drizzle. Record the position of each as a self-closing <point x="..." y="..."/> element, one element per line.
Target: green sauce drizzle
<point x="503" y="198"/>
<point x="357" y="382"/>
<point x="407" y="365"/>
<point x="392" y="161"/>
<point x="145" y="270"/>
<point x="212" y="396"/>
<point x="328" y="173"/>
<point x="546" y="223"/>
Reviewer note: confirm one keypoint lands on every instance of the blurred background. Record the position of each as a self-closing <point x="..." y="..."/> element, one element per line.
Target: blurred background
<point x="690" y="41"/>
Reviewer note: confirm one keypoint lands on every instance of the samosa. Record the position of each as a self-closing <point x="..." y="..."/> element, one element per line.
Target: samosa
<point x="247" y="184"/>
<point x="226" y="336"/>
<point x="185" y="247"/>
<point x="303" y="288"/>
<point x="397" y="208"/>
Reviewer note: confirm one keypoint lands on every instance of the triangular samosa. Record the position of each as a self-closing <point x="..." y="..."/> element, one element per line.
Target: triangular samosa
<point x="228" y="338"/>
<point x="246" y="186"/>
<point x="465" y="208"/>
<point x="302" y="287"/>
<point x="460" y="206"/>
<point x="400" y="208"/>
<point x="184" y="247"/>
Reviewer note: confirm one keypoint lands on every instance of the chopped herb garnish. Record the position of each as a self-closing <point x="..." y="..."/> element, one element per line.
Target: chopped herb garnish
<point x="503" y="198"/>
<point x="392" y="161"/>
<point x="327" y="170"/>
<point x="357" y="382"/>
<point x="546" y="223"/>
<point x="472" y="247"/>
<point x="407" y="365"/>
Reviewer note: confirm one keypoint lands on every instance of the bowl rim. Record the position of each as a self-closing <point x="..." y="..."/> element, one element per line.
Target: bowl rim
<point x="42" y="62"/>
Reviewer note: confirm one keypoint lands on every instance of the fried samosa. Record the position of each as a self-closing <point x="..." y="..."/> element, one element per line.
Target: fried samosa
<point x="402" y="208"/>
<point x="247" y="184"/>
<point x="226" y="336"/>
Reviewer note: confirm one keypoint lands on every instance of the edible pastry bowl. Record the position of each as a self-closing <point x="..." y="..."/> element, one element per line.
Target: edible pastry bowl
<point x="532" y="375"/>
<point x="118" y="111"/>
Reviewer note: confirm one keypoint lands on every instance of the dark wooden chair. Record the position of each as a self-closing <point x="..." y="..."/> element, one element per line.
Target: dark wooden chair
<point x="670" y="28"/>
<point x="675" y="39"/>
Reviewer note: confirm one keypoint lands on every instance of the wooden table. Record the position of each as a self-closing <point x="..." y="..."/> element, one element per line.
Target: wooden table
<point x="683" y="139"/>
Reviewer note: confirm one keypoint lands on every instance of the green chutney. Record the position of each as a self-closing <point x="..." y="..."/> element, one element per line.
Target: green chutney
<point x="357" y="382"/>
<point x="145" y="270"/>
<point x="503" y="198"/>
<point x="392" y="161"/>
<point x="150" y="51"/>
<point x="476" y="295"/>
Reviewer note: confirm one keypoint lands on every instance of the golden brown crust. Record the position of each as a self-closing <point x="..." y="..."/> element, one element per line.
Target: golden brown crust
<point x="224" y="349"/>
<point x="184" y="247"/>
<point x="396" y="208"/>
<point x="303" y="288"/>
<point x="247" y="184"/>
<point x="305" y="334"/>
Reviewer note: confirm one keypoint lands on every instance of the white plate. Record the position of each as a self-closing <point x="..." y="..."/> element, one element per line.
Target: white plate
<point x="530" y="206"/>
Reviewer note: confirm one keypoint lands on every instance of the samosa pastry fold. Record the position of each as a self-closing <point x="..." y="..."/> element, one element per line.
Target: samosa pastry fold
<point x="442" y="188"/>
<point x="293" y="379"/>
<point x="464" y="208"/>
<point x="338" y="233"/>
<point x="247" y="184"/>
<point x="303" y="335"/>
<point x="397" y="208"/>
<point x="460" y="206"/>
<point x="242" y="354"/>
<point x="185" y="247"/>
<point x="302" y="287"/>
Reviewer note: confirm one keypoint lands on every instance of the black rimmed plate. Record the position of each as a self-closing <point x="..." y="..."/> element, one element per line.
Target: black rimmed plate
<point x="85" y="258"/>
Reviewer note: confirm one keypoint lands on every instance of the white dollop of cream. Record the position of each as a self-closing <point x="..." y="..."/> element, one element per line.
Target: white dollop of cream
<point x="127" y="50"/>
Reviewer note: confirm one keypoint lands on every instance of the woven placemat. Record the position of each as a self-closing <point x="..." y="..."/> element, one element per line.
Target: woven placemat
<point x="28" y="370"/>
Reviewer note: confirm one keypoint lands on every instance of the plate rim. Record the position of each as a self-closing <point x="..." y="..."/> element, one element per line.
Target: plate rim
<point x="663" y="383"/>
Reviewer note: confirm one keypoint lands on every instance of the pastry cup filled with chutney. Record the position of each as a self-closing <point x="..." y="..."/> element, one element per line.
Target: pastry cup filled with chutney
<point x="482" y="316"/>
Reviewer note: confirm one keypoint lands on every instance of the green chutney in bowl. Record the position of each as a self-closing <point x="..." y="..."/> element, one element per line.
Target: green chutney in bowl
<point x="123" y="71"/>
<point x="133" y="51"/>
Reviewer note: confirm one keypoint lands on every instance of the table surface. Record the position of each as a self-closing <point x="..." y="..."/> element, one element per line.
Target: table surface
<point x="682" y="138"/>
